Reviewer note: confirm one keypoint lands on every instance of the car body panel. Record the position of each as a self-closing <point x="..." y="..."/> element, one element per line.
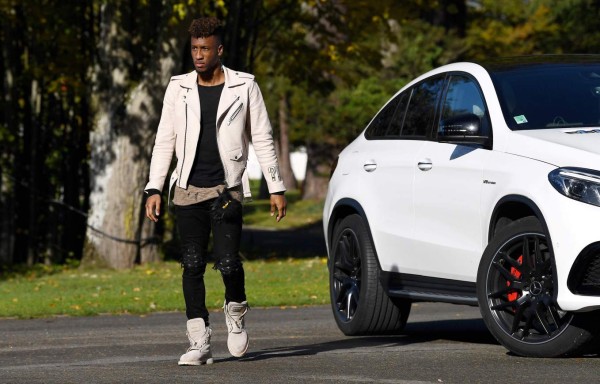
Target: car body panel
<point x="392" y="224"/>
<point x="451" y="189"/>
<point x="558" y="147"/>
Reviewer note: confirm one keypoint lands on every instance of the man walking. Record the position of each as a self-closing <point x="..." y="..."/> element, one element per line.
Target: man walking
<point x="208" y="118"/>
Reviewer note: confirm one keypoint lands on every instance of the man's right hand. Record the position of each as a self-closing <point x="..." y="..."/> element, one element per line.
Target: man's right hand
<point x="153" y="207"/>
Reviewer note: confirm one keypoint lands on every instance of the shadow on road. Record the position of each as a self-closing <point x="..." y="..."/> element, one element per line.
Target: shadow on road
<point x="458" y="331"/>
<point x="463" y="330"/>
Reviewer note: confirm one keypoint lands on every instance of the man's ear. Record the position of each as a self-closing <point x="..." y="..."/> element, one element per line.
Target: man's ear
<point x="220" y="50"/>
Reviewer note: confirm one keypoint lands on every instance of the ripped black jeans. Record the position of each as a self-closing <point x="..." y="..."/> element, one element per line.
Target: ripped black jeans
<point x="194" y="225"/>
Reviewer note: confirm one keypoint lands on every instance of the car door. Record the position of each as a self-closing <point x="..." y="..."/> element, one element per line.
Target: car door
<point x="388" y="171"/>
<point x="448" y="240"/>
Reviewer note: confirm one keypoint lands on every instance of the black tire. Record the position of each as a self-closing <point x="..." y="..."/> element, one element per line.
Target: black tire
<point x="516" y="294"/>
<point x="360" y="304"/>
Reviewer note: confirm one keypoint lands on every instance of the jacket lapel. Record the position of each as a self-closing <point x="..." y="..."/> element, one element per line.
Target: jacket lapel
<point x="229" y="97"/>
<point x="190" y="83"/>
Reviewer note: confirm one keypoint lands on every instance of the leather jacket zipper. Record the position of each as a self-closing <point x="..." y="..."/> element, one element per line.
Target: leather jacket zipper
<point x="184" y="143"/>
<point x="235" y="113"/>
<point x="221" y="157"/>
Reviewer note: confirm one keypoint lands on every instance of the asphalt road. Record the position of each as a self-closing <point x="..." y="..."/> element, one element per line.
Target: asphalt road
<point x="442" y="343"/>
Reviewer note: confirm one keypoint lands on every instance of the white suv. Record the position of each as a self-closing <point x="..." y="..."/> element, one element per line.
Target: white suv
<point x="476" y="184"/>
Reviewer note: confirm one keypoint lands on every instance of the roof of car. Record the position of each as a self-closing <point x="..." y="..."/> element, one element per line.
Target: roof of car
<point x="510" y="63"/>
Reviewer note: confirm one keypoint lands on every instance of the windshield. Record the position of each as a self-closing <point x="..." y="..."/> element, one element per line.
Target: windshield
<point x="545" y="96"/>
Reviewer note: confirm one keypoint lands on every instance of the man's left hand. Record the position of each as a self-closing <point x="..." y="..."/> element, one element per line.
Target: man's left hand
<point x="278" y="202"/>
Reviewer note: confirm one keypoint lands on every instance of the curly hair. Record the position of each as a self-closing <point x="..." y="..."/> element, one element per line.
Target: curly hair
<point x="205" y="27"/>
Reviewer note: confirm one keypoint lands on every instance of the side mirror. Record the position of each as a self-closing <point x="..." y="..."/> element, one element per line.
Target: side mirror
<point x="463" y="129"/>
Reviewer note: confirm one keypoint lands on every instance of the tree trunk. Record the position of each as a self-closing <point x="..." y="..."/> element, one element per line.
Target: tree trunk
<point x="285" y="163"/>
<point x="21" y="129"/>
<point x="6" y="227"/>
<point x="320" y="157"/>
<point x="34" y="168"/>
<point x="240" y="32"/>
<point x="7" y="191"/>
<point x="122" y="141"/>
<point x="282" y="150"/>
<point x="75" y="171"/>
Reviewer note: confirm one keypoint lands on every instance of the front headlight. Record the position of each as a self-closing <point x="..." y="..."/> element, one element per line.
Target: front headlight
<point x="577" y="183"/>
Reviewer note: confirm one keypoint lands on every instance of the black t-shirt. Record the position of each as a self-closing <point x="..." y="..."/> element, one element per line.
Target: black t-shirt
<point x="207" y="170"/>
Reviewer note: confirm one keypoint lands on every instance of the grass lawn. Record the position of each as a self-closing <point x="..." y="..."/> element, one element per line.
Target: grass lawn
<point x="48" y="291"/>
<point x="299" y="212"/>
<point x="43" y="291"/>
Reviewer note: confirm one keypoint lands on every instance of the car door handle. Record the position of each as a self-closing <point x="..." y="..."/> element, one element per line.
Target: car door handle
<point x="370" y="166"/>
<point x="425" y="165"/>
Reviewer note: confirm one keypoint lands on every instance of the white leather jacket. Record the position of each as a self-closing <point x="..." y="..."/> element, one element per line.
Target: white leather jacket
<point x="241" y="114"/>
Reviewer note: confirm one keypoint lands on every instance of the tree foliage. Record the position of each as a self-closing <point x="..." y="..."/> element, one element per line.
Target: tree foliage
<point x="83" y="84"/>
<point x="511" y="28"/>
<point x="44" y="129"/>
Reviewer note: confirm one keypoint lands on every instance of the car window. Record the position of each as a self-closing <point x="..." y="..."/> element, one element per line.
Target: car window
<point x="381" y="122"/>
<point x="396" y="124"/>
<point x="549" y="95"/>
<point x="463" y="98"/>
<point x="421" y="109"/>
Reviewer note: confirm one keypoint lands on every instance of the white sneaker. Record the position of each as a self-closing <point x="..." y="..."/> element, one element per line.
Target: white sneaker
<point x="237" y="340"/>
<point x="199" y="351"/>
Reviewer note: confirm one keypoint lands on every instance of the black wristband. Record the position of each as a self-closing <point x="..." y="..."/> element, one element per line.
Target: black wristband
<point x="151" y="192"/>
<point x="278" y="193"/>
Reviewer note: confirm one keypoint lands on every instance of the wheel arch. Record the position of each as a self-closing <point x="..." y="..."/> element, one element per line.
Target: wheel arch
<point x="345" y="207"/>
<point x="511" y="208"/>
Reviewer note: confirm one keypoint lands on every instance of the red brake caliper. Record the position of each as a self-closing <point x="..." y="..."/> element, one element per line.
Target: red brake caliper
<point x="516" y="274"/>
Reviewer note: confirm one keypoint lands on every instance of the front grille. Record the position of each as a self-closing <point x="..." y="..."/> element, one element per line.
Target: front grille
<point x="584" y="278"/>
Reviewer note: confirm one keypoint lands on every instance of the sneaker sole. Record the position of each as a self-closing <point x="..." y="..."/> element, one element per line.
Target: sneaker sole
<point x="239" y="354"/>
<point x="208" y="361"/>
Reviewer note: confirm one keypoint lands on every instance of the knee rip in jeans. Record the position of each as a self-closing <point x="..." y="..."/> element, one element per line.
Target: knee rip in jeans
<point x="192" y="259"/>
<point x="228" y="264"/>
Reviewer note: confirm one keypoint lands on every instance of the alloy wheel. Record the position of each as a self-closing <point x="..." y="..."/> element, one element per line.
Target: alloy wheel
<point x="520" y="290"/>
<point x="346" y="275"/>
